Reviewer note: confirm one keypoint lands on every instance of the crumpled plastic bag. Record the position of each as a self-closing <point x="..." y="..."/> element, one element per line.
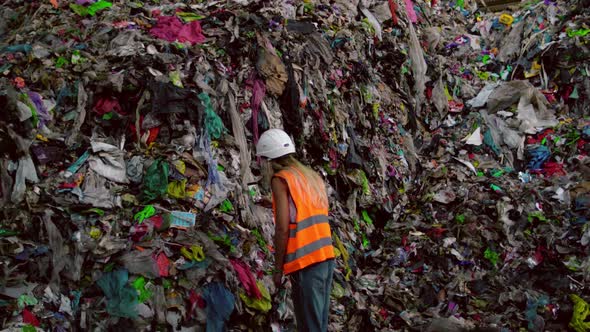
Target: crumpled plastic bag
<point x="482" y="97"/>
<point x="108" y="161"/>
<point x="247" y="279"/>
<point x="318" y="48"/>
<point x="170" y="28"/>
<point x="96" y="193"/>
<point x="141" y="262"/>
<point x="508" y="93"/>
<point x="220" y="304"/>
<point x="25" y="172"/>
<point x="121" y="297"/>
<point x="264" y="304"/>
<point x="135" y="169"/>
<point x="155" y="181"/>
<point x="270" y="66"/>
<point x="419" y="66"/>
<point x="126" y="44"/>
<point x="374" y="23"/>
<point x="512" y="44"/>
<point x="439" y="99"/>
<point x="538" y="155"/>
<point x="213" y="123"/>
<point x="580" y="314"/>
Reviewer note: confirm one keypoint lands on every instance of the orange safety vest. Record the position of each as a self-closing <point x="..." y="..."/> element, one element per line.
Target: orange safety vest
<point x="310" y="238"/>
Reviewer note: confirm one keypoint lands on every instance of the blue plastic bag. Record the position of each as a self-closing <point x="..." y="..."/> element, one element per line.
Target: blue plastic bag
<point x="121" y="297"/>
<point x="220" y="304"/>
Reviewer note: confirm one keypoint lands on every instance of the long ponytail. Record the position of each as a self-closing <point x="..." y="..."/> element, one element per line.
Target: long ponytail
<point x="317" y="187"/>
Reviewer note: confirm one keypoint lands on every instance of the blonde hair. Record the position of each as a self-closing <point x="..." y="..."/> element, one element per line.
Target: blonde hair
<point x="314" y="180"/>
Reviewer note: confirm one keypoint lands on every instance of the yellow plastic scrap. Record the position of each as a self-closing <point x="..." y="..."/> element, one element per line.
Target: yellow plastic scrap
<point x="187" y="254"/>
<point x="581" y="312"/>
<point x="95" y="232"/>
<point x="345" y="256"/>
<point x="506" y="19"/>
<point x="263" y="305"/>
<point x="535" y="70"/>
<point x="198" y="253"/>
<point x="177" y="189"/>
<point x="180" y="166"/>
<point x="195" y="254"/>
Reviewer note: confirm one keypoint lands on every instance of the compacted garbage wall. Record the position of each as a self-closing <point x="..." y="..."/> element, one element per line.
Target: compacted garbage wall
<point x="453" y="140"/>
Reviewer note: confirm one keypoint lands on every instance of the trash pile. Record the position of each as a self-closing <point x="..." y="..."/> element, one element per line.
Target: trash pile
<point x="454" y="143"/>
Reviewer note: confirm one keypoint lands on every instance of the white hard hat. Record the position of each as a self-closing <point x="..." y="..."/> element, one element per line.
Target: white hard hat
<point x="274" y="143"/>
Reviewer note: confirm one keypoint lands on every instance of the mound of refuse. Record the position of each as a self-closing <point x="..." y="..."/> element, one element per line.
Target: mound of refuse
<point x="453" y="141"/>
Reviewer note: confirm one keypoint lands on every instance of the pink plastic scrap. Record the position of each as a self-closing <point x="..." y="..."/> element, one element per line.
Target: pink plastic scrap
<point x="163" y="264"/>
<point x="170" y="28"/>
<point x="411" y="12"/>
<point x="247" y="279"/>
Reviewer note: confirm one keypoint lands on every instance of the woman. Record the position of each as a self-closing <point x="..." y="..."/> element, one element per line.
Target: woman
<point x="303" y="240"/>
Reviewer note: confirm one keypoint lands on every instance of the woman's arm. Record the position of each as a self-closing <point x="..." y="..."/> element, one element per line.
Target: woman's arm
<point x="280" y="192"/>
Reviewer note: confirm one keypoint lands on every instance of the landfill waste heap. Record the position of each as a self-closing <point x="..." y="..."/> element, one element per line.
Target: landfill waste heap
<point x="453" y="141"/>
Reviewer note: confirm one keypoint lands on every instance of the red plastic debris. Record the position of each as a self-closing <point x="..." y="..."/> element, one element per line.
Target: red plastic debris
<point x="29" y="318"/>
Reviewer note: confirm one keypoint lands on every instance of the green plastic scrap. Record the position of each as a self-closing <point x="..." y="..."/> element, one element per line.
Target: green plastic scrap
<point x="142" y="215"/>
<point x="366" y="242"/>
<point x="155" y="181"/>
<point x="492" y="256"/>
<point x="175" y="78"/>
<point x="108" y="116"/>
<point x="580" y="32"/>
<point x="573" y="263"/>
<point x="166" y="284"/>
<point x="98" y="211"/>
<point x="92" y="9"/>
<point x="224" y="240"/>
<point x="29" y="328"/>
<point x="109" y="267"/>
<point x="345" y="256"/>
<point x="213" y="122"/>
<point x="26" y="300"/>
<point x="489" y="141"/>
<point x="497" y="172"/>
<point x="495" y="187"/>
<point x="376" y="107"/>
<point x="575" y="94"/>
<point x="76" y="57"/>
<point x="337" y="290"/>
<point x="61" y="61"/>
<point x="226" y="206"/>
<point x="7" y="232"/>
<point x="581" y="312"/>
<point x="263" y="304"/>
<point x="460" y="218"/>
<point x="536" y="215"/>
<point x="189" y="17"/>
<point x="139" y="285"/>
<point x="364" y="181"/>
<point x="366" y="217"/>
<point x="24" y="98"/>
<point x="260" y="240"/>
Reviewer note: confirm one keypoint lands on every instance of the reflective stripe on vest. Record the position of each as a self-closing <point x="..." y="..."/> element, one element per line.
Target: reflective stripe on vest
<point x="310" y="237"/>
<point x="308" y="249"/>
<point x="303" y="224"/>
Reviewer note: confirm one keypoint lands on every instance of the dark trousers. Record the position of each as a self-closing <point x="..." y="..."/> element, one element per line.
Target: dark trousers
<point x="311" y="296"/>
